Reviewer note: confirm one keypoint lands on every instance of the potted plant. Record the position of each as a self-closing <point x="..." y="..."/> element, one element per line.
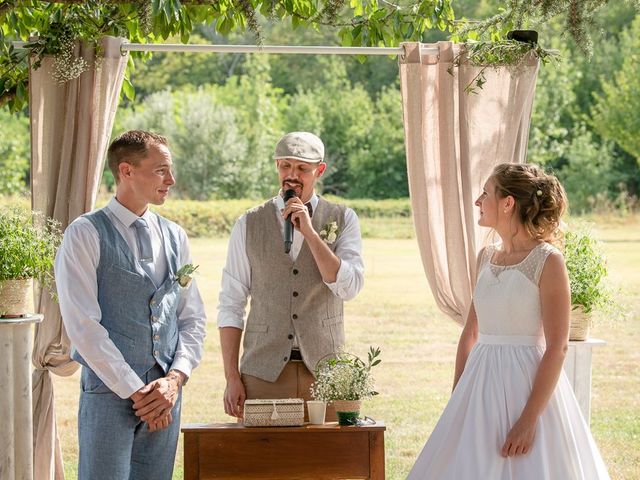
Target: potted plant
<point x="587" y="271"/>
<point x="345" y="380"/>
<point x="28" y="244"/>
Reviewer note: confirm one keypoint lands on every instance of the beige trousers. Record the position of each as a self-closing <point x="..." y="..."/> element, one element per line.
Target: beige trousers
<point x="294" y="382"/>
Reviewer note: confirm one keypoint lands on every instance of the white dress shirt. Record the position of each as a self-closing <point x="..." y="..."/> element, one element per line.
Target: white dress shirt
<point x="76" y="279"/>
<point x="236" y="276"/>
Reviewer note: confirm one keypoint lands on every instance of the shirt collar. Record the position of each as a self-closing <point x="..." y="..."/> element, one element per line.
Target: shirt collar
<point x="280" y="201"/>
<point x="124" y="215"/>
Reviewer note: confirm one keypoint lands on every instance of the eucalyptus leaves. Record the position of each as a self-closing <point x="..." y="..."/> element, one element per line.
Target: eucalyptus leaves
<point x="492" y="55"/>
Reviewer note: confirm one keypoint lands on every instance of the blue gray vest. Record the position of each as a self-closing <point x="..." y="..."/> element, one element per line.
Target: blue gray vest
<point x="140" y="318"/>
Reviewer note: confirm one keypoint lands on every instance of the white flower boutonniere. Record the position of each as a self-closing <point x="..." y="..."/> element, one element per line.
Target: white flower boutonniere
<point x="183" y="276"/>
<point x="329" y="232"/>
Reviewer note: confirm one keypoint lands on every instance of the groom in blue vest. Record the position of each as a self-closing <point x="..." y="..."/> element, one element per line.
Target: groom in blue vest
<point x="137" y="332"/>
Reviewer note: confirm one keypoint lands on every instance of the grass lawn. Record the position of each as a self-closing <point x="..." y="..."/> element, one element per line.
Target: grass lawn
<point x="396" y="311"/>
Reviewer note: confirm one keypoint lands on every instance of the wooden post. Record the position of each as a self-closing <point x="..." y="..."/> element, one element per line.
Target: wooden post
<point x="16" y="419"/>
<point x="577" y="366"/>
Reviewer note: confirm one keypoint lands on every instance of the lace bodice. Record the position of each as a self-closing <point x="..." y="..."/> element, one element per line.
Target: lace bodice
<point x="507" y="298"/>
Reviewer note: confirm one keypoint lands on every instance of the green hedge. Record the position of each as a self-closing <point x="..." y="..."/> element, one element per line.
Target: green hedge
<point x="215" y="218"/>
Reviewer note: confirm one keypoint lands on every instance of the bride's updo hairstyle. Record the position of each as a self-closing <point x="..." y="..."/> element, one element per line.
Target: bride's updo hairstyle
<point x="540" y="200"/>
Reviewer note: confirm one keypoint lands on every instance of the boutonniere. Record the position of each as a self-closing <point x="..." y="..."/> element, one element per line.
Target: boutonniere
<point x="183" y="276"/>
<point x="329" y="232"/>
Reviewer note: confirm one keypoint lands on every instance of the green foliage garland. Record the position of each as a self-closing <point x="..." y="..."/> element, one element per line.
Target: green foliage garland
<point x="496" y="54"/>
<point x="58" y="24"/>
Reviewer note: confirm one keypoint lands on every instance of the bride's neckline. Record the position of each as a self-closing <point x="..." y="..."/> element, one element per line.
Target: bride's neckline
<point x="514" y="264"/>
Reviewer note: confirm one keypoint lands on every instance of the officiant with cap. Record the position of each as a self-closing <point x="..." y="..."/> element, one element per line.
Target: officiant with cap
<point x="296" y="297"/>
<point x="137" y="332"/>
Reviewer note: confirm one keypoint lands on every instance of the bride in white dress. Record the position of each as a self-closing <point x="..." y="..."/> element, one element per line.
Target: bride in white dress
<point x="513" y="414"/>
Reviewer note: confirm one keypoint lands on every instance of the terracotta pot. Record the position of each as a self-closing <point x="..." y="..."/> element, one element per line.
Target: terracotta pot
<point x="14" y="297"/>
<point x="580" y="325"/>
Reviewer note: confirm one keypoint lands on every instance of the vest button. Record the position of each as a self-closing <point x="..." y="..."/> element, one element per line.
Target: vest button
<point x="295" y="271"/>
<point x="294" y="316"/>
<point x="152" y="302"/>
<point x="290" y="337"/>
<point x="286" y="358"/>
<point x="295" y="294"/>
<point x="153" y="319"/>
<point x="156" y="337"/>
<point x="155" y="353"/>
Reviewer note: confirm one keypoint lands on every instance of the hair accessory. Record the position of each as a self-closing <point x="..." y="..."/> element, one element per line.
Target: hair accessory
<point x="539" y="193"/>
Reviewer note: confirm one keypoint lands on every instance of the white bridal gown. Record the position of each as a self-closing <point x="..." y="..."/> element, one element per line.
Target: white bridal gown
<point x="495" y="386"/>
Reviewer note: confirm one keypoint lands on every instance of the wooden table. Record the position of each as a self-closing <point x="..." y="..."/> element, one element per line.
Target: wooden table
<point x="230" y="450"/>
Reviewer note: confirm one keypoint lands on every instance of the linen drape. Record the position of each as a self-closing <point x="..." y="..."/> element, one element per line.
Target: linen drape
<point x="70" y="129"/>
<point x="453" y="140"/>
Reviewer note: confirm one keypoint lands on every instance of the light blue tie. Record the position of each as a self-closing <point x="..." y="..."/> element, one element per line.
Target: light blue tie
<point x="144" y="240"/>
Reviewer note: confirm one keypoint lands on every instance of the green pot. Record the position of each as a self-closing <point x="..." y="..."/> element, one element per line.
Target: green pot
<point x="347" y="418"/>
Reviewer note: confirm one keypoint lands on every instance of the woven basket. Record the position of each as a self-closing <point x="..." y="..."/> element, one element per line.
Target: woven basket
<point x="281" y="412"/>
<point x="347" y="405"/>
<point x="14" y="297"/>
<point x="580" y="325"/>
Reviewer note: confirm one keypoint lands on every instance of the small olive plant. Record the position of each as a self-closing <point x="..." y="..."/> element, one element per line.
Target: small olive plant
<point x="587" y="271"/>
<point x="28" y="245"/>
<point x="344" y="376"/>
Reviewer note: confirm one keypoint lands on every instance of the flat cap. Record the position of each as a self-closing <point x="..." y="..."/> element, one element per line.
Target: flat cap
<point x="302" y="146"/>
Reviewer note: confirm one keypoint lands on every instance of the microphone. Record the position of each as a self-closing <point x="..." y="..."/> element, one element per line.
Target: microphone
<point x="288" y="225"/>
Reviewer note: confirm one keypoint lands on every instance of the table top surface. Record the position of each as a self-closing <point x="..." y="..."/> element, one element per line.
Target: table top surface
<point x="589" y="342"/>
<point x="329" y="427"/>
<point x="29" y="318"/>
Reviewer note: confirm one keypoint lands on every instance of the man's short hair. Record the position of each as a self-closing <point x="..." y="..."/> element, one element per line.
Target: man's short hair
<point x="131" y="147"/>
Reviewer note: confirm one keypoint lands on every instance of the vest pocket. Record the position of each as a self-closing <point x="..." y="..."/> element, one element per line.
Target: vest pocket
<point x="126" y="275"/>
<point x="121" y="340"/>
<point x="335" y="325"/>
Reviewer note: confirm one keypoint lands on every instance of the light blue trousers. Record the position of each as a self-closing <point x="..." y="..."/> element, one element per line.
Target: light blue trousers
<point x="114" y="443"/>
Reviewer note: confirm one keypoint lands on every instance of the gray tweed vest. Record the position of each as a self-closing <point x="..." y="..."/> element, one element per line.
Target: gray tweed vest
<point x="288" y="298"/>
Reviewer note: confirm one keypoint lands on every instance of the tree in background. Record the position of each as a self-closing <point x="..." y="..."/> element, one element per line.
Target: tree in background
<point x="203" y="136"/>
<point x="379" y="166"/>
<point x="259" y="108"/>
<point x="14" y="153"/>
<point x="340" y="114"/>
<point x="354" y="106"/>
<point x="616" y="113"/>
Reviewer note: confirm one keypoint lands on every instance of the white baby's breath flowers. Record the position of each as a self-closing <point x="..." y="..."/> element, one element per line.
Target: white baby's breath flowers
<point x="344" y="376"/>
<point x="66" y="66"/>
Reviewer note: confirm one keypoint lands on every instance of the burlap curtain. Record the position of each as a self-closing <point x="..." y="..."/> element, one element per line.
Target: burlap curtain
<point x="453" y="140"/>
<point x="70" y="129"/>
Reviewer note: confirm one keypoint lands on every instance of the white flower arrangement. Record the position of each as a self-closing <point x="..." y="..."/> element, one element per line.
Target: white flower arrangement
<point x="329" y="232"/>
<point x="184" y="275"/>
<point x="344" y="376"/>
